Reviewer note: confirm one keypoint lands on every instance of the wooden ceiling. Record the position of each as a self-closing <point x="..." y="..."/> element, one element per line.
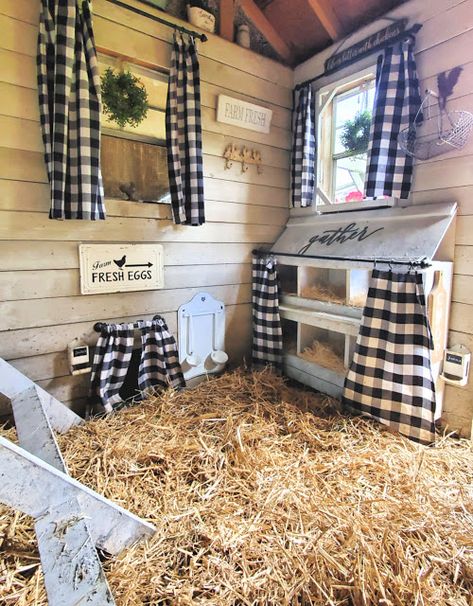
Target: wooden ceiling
<point x="297" y="29"/>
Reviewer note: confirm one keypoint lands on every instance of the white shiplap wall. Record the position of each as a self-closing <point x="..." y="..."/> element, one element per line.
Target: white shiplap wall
<point x="445" y="41"/>
<point x="41" y="309"/>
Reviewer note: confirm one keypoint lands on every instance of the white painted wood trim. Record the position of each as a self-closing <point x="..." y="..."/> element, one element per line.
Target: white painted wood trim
<point x="31" y="485"/>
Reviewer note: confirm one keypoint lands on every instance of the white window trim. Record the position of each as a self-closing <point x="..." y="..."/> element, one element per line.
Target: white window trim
<point x="323" y="97"/>
<point x="331" y="88"/>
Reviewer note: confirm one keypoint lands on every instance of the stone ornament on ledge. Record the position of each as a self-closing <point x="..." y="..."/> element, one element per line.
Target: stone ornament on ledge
<point x="199" y="16"/>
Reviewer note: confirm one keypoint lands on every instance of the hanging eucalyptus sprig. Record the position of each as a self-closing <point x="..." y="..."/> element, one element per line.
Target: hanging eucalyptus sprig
<point x="355" y="134"/>
<point x="124" y="98"/>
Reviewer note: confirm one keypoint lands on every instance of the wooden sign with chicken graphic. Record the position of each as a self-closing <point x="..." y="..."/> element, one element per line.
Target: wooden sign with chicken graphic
<point x="106" y="268"/>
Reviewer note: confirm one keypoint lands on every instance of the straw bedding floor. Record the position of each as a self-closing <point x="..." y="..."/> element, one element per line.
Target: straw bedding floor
<point x="258" y="502"/>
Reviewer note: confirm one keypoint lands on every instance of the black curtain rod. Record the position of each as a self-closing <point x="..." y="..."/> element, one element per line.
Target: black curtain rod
<point x="422" y="263"/>
<point x="408" y="32"/>
<point x="138" y="11"/>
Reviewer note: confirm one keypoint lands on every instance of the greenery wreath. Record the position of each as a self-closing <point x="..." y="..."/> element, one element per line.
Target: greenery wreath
<point x="124" y="98"/>
<point x="355" y="133"/>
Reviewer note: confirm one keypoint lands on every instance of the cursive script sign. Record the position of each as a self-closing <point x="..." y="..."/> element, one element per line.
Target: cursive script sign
<point x="339" y="236"/>
<point x="365" y="47"/>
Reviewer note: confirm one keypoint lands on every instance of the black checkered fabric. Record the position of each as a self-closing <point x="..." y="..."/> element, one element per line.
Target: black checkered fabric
<point x="303" y="150"/>
<point x="184" y="134"/>
<point x="390" y="378"/>
<point x="159" y="366"/>
<point x="267" y="331"/>
<point x="397" y="100"/>
<point x="69" y="104"/>
<point x="159" y="363"/>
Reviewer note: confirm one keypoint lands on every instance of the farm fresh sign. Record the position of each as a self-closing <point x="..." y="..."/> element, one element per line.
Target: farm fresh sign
<point x="106" y="268"/>
<point x="243" y="114"/>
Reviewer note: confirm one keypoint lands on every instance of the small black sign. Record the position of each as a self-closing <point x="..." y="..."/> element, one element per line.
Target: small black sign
<point x="365" y="47"/>
<point x="454" y="358"/>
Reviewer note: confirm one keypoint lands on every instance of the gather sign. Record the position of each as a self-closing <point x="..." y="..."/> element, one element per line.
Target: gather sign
<point x="243" y="114"/>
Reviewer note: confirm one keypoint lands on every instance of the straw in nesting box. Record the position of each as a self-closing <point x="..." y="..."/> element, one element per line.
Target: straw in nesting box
<point x="322" y="292"/>
<point x="324" y="355"/>
<point x="257" y="502"/>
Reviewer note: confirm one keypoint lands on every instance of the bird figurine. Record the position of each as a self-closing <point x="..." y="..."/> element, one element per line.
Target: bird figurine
<point x="446" y="83"/>
<point x="121" y="262"/>
<point x="129" y="190"/>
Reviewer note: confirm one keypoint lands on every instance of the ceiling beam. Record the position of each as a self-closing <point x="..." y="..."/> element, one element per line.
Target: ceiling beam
<point x="326" y="15"/>
<point x="259" y="20"/>
<point x="227" y="19"/>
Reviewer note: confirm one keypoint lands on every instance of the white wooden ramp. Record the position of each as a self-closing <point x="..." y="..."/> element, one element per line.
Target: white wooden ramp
<point x="13" y="382"/>
<point x="71" y="520"/>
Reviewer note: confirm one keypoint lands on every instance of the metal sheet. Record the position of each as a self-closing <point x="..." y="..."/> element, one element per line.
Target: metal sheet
<point x="398" y="234"/>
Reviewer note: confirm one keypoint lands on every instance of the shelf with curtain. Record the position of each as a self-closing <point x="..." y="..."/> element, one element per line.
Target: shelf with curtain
<point x="324" y="289"/>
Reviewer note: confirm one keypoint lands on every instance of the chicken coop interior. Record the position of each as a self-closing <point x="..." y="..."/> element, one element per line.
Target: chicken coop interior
<point x="236" y="303"/>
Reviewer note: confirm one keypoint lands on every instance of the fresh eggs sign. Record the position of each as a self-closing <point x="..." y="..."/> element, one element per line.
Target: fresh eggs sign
<point x="243" y="114"/>
<point x="106" y="268"/>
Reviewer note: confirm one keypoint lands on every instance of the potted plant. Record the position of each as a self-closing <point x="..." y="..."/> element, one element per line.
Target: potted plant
<point x="201" y="15"/>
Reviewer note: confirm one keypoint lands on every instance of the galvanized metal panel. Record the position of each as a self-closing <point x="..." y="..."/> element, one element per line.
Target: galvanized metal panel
<point x="398" y="234"/>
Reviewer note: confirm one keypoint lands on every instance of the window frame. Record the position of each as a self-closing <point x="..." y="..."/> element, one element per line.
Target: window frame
<point x="325" y="129"/>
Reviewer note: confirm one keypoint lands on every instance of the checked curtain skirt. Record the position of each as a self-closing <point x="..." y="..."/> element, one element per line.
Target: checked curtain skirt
<point x="184" y="134"/>
<point x="159" y="365"/>
<point x="69" y="104"/>
<point x="267" y="331"/>
<point x="397" y="100"/>
<point x="390" y="377"/>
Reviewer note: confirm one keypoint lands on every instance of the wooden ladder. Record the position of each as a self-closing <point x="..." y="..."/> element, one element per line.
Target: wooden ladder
<point x="71" y="520"/>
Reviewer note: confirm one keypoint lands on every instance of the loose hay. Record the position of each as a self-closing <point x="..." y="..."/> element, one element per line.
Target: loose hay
<point x="257" y="502"/>
<point x="324" y="355"/>
<point x="323" y="292"/>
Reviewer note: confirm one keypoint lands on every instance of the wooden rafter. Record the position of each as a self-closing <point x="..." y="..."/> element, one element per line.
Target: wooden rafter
<point x="259" y="20"/>
<point x="327" y="17"/>
<point x="227" y="19"/>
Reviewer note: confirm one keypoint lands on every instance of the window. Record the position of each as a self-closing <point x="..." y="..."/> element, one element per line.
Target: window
<point x="341" y="170"/>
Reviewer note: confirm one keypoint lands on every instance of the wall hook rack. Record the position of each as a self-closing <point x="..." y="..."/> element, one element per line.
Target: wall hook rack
<point x="244" y="155"/>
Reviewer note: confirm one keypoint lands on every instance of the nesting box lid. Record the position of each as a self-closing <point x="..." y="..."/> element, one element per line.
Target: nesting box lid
<point x="396" y="234"/>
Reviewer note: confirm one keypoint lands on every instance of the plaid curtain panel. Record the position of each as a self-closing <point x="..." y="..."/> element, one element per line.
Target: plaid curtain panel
<point x="397" y="100"/>
<point x="303" y="150"/>
<point x="159" y="364"/>
<point x="69" y="104"/>
<point x="184" y="134"/>
<point x="111" y="362"/>
<point x="390" y="378"/>
<point x="267" y="331"/>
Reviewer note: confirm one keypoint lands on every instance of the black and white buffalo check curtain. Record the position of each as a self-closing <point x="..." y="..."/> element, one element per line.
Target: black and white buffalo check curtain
<point x="159" y="364"/>
<point x="397" y="100"/>
<point x="267" y="331"/>
<point x="69" y="104"/>
<point x="303" y="149"/>
<point x="184" y="134"/>
<point x="390" y="378"/>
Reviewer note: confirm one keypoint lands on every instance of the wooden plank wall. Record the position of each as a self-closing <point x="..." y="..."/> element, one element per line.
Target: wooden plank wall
<point x="445" y="41"/>
<point x="41" y="308"/>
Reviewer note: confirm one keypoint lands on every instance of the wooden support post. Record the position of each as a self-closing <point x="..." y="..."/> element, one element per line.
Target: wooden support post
<point x="29" y="484"/>
<point x="13" y="382"/>
<point x="227" y="19"/>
